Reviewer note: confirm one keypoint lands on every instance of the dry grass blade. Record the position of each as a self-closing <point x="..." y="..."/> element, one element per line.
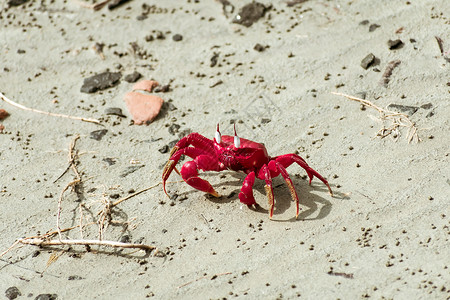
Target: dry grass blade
<point x="47" y="113"/>
<point x="43" y="243"/>
<point x="397" y="120"/>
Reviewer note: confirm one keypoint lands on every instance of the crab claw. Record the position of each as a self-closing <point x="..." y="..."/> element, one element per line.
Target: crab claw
<point x="168" y="168"/>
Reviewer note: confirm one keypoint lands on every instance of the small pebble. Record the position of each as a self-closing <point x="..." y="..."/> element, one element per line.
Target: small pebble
<point x="98" y="134"/>
<point x="114" y="111"/>
<point x="12" y="293"/>
<point x="133" y="77"/>
<point x="394" y="44"/>
<point x="177" y="37"/>
<point x="100" y="82"/>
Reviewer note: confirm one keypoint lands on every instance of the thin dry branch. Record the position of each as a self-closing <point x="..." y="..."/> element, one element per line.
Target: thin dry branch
<point x="41" y="242"/>
<point x="4" y="98"/>
<point x="72" y="184"/>
<point x="397" y="120"/>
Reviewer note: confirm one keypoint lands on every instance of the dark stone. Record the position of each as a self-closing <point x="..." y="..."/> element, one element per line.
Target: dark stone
<point x="100" y="82"/>
<point x="426" y="106"/>
<point x="162" y="88"/>
<point x="164" y="149"/>
<point x="114" y="196"/>
<point x="409" y="110"/>
<point x="133" y="77"/>
<point x="98" y="134"/>
<point x="110" y="161"/>
<point x="130" y="169"/>
<point x="114" y="111"/>
<point x="16" y="2"/>
<point x="367" y="61"/>
<point x="214" y="59"/>
<point x="116" y="3"/>
<point x="174" y="128"/>
<point x="265" y="121"/>
<point x="12" y="293"/>
<point x="364" y="22"/>
<point x="395" y="44"/>
<point x="372" y="27"/>
<point x="75" y="277"/>
<point x="250" y="13"/>
<point x="125" y="239"/>
<point x="46" y="297"/>
<point x="177" y="37"/>
<point x="259" y="48"/>
<point x="160" y="35"/>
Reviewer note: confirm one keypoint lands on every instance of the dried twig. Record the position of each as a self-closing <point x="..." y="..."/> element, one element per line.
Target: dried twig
<point x="397" y="120"/>
<point x="43" y="243"/>
<point x="72" y="184"/>
<point x="134" y="194"/>
<point x="105" y="214"/>
<point x="440" y="44"/>
<point x="47" y="113"/>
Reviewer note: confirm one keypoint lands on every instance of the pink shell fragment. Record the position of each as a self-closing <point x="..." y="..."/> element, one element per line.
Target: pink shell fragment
<point x="145" y="85"/>
<point x="143" y="108"/>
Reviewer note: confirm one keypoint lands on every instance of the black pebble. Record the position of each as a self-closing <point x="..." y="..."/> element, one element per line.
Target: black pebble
<point x="426" y="106"/>
<point x="100" y="82"/>
<point x="364" y="22"/>
<point x="164" y="149"/>
<point x="46" y="297"/>
<point x="98" y="134"/>
<point x="110" y="161"/>
<point x="395" y="44"/>
<point x="17" y="2"/>
<point x="250" y="13"/>
<point x="12" y="293"/>
<point x="259" y="48"/>
<point x="177" y="37"/>
<point x="116" y="3"/>
<point x="372" y="27"/>
<point x="75" y="277"/>
<point x="133" y="77"/>
<point x="214" y="60"/>
<point x="162" y="88"/>
<point x="114" y="111"/>
<point x="174" y="128"/>
<point x="367" y="61"/>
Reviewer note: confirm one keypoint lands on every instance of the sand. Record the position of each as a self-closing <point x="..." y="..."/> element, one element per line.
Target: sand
<point x="384" y="233"/>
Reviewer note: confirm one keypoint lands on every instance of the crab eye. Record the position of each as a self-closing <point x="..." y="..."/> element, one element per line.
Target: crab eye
<point x="218" y="135"/>
<point x="237" y="140"/>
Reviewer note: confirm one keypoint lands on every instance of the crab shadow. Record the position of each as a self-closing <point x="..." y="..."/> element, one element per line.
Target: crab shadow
<point x="317" y="207"/>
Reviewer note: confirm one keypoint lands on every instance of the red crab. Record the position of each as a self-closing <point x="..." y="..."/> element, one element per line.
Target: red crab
<point x="237" y="154"/>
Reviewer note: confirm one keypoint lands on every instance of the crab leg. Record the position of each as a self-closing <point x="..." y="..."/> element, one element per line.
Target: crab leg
<point x="288" y="159"/>
<point x="174" y="158"/>
<point x="290" y="185"/>
<point x="189" y="172"/>
<point x="264" y="173"/>
<point x="246" y="194"/>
